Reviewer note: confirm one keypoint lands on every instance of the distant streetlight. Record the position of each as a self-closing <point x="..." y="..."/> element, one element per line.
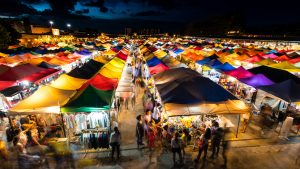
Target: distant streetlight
<point x="51" y="23"/>
<point x="68" y="25"/>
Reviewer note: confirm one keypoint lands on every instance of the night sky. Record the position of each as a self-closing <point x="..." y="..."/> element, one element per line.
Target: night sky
<point x="113" y="15"/>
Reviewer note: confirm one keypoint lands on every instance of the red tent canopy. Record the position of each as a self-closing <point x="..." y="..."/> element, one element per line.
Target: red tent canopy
<point x="282" y="58"/>
<point x="39" y="76"/>
<point x="103" y="83"/>
<point x="6" y="84"/>
<point x="293" y="61"/>
<point x="122" y="56"/>
<point x="254" y="59"/>
<point x="19" y="72"/>
<point x="239" y="73"/>
<point x="158" y="68"/>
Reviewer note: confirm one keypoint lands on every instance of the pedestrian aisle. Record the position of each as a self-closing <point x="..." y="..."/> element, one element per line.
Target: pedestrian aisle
<point x="127" y="119"/>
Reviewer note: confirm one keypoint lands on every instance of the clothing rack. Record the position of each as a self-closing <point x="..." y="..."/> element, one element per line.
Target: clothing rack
<point x="94" y="130"/>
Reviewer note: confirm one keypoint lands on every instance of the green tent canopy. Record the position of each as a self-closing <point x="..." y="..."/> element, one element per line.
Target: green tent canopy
<point x="89" y="100"/>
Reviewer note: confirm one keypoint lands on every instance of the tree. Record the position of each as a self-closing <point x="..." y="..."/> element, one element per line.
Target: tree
<point x="4" y="38"/>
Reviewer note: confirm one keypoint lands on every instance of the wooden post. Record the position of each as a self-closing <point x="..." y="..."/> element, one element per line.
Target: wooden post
<point x="237" y="129"/>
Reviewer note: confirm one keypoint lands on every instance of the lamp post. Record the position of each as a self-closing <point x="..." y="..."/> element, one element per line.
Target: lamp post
<point x="51" y="23"/>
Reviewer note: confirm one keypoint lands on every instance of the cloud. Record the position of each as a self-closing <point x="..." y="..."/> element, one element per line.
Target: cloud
<point x="148" y="13"/>
<point x="15" y="8"/>
<point x="96" y="3"/>
<point x="84" y="11"/>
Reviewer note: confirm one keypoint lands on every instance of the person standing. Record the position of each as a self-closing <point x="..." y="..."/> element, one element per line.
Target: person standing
<point x="215" y="141"/>
<point x="115" y="141"/>
<point x="139" y="131"/>
<point x="176" y="145"/>
<point x="203" y="144"/>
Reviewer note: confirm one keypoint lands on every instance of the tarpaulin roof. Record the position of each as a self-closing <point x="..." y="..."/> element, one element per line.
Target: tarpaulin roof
<point x="192" y="89"/>
<point x="6" y="84"/>
<point x="160" y="54"/>
<point x="67" y="82"/>
<point x="121" y="55"/>
<point x="113" y="69"/>
<point x="296" y="60"/>
<point x="288" y="90"/>
<point x="257" y="80"/>
<point x="271" y="56"/>
<point x="227" y="107"/>
<point x="46" y="99"/>
<point x="286" y="66"/>
<point x="282" y="58"/>
<point x="224" y="67"/>
<point x="19" y="72"/>
<point x="56" y="61"/>
<point x="239" y="73"/>
<point x="265" y="62"/>
<point x="214" y="62"/>
<point x="158" y="68"/>
<point x="87" y="71"/>
<point x="47" y="65"/>
<point x="109" y="52"/>
<point x="186" y="92"/>
<point x="276" y="75"/>
<point x="89" y="98"/>
<point x="153" y="61"/>
<point x="36" y="77"/>
<point x="101" y="59"/>
<point x="103" y="83"/>
<point x="3" y="68"/>
<point x="204" y="61"/>
<point x="254" y="59"/>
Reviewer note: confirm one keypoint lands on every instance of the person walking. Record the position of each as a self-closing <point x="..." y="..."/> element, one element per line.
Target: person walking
<point x="139" y="131"/>
<point x="176" y="145"/>
<point x="215" y="141"/>
<point x="203" y="144"/>
<point x="115" y="141"/>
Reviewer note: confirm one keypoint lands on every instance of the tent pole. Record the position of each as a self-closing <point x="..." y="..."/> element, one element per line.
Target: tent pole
<point x="63" y="124"/>
<point x="237" y="129"/>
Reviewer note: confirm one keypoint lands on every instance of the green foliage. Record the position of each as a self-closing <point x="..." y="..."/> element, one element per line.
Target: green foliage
<point x="8" y="35"/>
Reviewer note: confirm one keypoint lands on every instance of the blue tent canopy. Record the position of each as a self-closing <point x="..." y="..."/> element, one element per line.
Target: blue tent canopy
<point x="177" y="51"/>
<point x="288" y="90"/>
<point x="224" y="67"/>
<point x="153" y="62"/>
<point x="214" y="62"/>
<point x="204" y="61"/>
<point x="189" y="90"/>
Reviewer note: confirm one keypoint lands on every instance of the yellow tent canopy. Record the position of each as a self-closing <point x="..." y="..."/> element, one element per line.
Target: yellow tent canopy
<point x="46" y="99"/>
<point x="160" y="54"/>
<point x="113" y="69"/>
<point x="35" y="61"/>
<point x="285" y="66"/>
<point x="56" y="61"/>
<point x="109" y="53"/>
<point x="228" y="107"/>
<point x="3" y="55"/>
<point x="102" y="59"/>
<point x="266" y="62"/>
<point x="66" y="82"/>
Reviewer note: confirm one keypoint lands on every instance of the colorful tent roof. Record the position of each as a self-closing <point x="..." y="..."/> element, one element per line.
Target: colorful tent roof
<point x="89" y="99"/>
<point x="254" y="59"/>
<point x="239" y="73"/>
<point x="276" y="75"/>
<point x="66" y="82"/>
<point x="224" y="67"/>
<point x="87" y="71"/>
<point x="266" y="62"/>
<point x="186" y="92"/>
<point x="103" y="83"/>
<point x="271" y="56"/>
<point x="257" y="80"/>
<point x="153" y="61"/>
<point x="194" y="89"/>
<point x="285" y="66"/>
<point x="282" y="58"/>
<point x="19" y="72"/>
<point x="288" y="90"/>
<point x="158" y="68"/>
<point x="6" y="84"/>
<point x="46" y="99"/>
